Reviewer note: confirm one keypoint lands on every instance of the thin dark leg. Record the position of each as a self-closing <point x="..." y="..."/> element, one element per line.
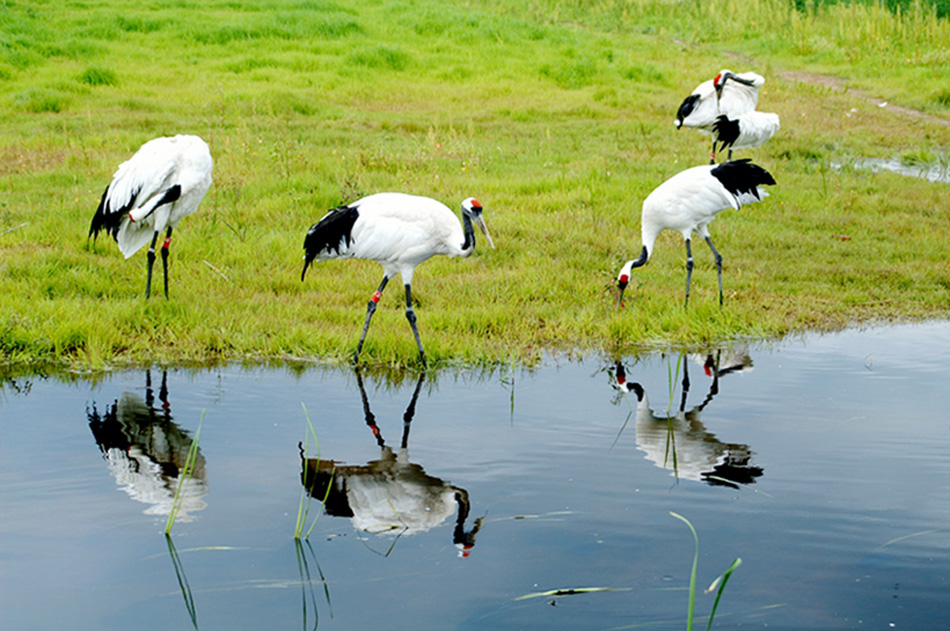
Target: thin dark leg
<point x="165" y="246"/>
<point x="718" y="258"/>
<point x="689" y="270"/>
<point x="712" y="154"/>
<point x="370" y="310"/>
<point x="151" y="262"/>
<point x="729" y="159"/>
<point x="411" y="316"/>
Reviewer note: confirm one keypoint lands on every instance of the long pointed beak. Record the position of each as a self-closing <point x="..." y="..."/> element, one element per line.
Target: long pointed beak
<point x="481" y="224"/>
<point x="622" y="285"/>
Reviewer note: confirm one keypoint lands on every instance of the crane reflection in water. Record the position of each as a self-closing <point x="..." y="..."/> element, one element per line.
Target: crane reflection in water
<point x="389" y="495"/>
<point x="146" y="451"/>
<point x="678" y="440"/>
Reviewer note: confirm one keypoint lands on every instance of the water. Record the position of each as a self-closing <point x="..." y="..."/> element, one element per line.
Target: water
<point x="822" y="462"/>
<point x="933" y="171"/>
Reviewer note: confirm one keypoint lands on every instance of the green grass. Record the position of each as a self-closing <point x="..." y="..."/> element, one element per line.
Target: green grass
<point x="719" y="584"/>
<point x="556" y="114"/>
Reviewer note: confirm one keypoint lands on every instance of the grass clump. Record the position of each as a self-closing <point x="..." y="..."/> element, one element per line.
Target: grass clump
<point x="556" y="115"/>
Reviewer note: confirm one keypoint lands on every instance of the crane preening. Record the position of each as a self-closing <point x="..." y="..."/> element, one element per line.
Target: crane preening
<point x="152" y="191"/>
<point x="688" y="202"/>
<point x="724" y="107"/>
<point x="399" y="232"/>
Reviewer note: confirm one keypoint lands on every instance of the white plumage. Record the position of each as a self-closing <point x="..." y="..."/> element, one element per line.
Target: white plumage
<point x="689" y="201"/>
<point x="749" y="131"/>
<point x="153" y="191"/>
<point x="734" y="96"/>
<point x="399" y="232"/>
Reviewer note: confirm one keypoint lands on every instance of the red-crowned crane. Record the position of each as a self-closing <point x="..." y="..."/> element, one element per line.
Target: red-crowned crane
<point x="748" y="131"/>
<point x="399" y="232"/>
<point x="156" y="188"/>
<point x="728" y="94"/>
<point x="689" y="201"/>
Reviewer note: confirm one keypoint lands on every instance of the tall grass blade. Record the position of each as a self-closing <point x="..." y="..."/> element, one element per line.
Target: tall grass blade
<point x="303" y="509"/>
<point x="692" y="574"/>
<point x="725" y="579"/>
<point x="182" y="479"/>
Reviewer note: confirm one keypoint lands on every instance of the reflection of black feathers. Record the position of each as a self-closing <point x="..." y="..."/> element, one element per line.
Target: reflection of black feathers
<point x="733" y="473"/>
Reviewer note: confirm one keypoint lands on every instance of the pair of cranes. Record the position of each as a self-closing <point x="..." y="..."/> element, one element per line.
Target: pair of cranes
<point x="167" y="178"/>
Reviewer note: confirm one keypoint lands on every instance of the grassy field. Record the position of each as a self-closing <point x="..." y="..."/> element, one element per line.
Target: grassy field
<point x="557" y="115"/>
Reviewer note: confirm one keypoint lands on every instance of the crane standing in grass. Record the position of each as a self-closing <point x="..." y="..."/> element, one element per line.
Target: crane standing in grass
<point x="728" y="95"/>
<point x="689" y="201"/>
<point x="155" y="189"/>
<point x="399" y="232"/>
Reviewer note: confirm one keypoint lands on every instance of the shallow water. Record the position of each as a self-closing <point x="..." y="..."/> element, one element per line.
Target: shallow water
<point x="934" y="171"/>
<point x="822" y="462"/>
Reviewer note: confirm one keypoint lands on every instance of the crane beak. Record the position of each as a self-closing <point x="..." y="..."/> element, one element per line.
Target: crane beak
<point x="481" y="225"/>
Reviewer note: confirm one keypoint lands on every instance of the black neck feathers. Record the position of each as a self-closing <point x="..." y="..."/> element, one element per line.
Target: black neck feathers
<point x="469" y="231"/>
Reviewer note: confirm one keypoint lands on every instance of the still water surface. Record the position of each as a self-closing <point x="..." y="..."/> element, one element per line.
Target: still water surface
<point x="823" y="462"/>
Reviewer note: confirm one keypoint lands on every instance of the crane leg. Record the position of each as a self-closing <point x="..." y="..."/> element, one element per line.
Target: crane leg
<point x="689" y="270"/>
<point x="370" y="310"/>
<point x="411" y="316"/>
<point x="712" y="154"/>
<point x="151" y="262"/>
<point x="718" y="258"/>
<point x="167" y="244"/>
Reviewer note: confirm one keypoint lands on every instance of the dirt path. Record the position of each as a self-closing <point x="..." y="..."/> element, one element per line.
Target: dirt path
<point x="838" y="85"/>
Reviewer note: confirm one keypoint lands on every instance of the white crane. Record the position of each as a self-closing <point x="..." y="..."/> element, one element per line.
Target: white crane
<point x="155" y="189"/>
<point x="399" y="232"/>
<point x="728" y="94"/>
<point x="748" y="131"/>
<point x="689" y="201"/>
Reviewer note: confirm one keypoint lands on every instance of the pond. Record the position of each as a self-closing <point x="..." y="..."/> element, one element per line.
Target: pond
<point x="465" y="500"/>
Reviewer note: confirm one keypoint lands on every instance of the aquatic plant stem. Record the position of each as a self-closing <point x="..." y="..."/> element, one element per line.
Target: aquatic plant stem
<point x="185" y="473"/>
<point x="692" y="574"/>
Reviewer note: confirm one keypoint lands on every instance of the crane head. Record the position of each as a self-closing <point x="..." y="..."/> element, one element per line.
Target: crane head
<point x="472" y="208"/>
<point x="623" y="278"/>
<point x="727" y="75"/>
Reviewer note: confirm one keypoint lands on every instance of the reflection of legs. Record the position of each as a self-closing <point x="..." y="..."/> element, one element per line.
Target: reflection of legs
<point x="165" y="246"/>
<point x="685" y="382"/>
<point x="718" y="258"/>
<point x="689" y="269"/>
<point x="370" y="309"/>
<point x="151" y="262"/>
<point x="411" y="316"/>
<point x="411" y="411"/>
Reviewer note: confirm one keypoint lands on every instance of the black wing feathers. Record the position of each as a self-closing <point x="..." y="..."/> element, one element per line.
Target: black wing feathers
<point x="742" y="177"/>
<point x="726" y="131"/>
<point x="107" y="218"/>
<point x="333" y="233"/>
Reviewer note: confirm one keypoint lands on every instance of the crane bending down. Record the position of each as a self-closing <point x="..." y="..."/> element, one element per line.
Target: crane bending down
<point x="727" y="94"/>
<point x="155" y="189"/>
<point x="689" y="201"/>
<point x="399" y="232"/>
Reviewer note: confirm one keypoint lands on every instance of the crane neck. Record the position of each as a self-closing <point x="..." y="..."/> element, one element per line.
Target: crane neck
<point x="468" y="245"/>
